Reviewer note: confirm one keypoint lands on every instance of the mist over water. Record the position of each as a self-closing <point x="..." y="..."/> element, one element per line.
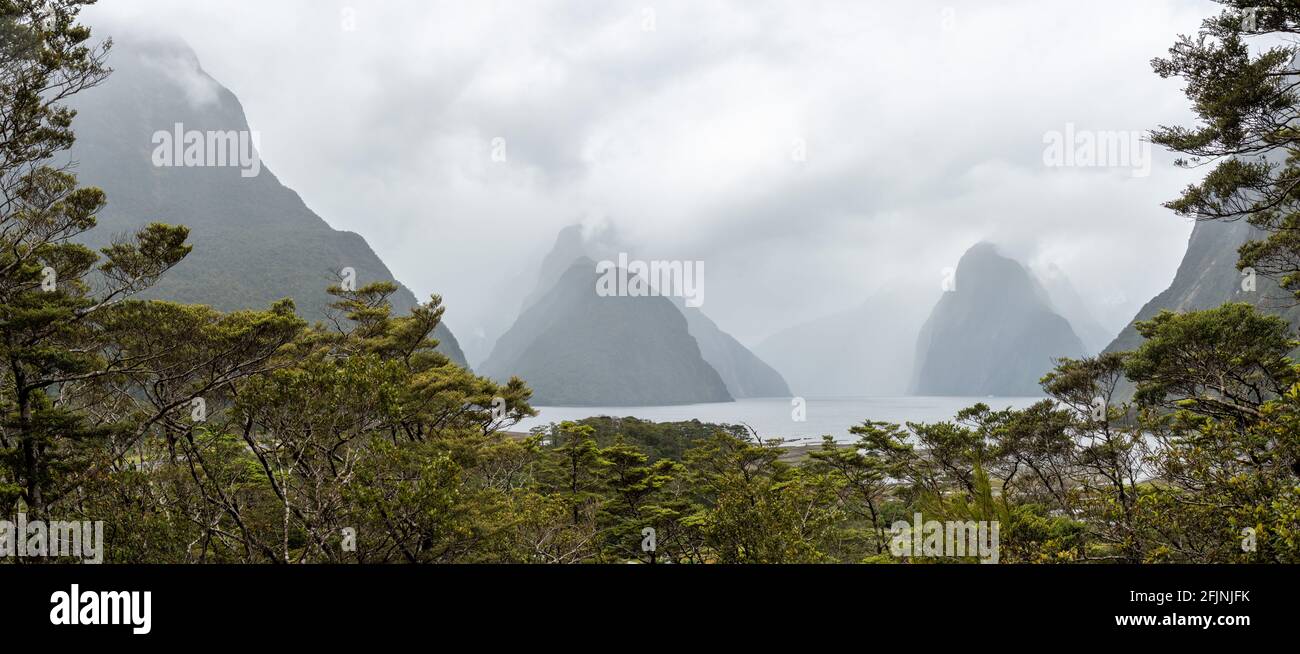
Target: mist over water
<point x="771" y="417"/>
<point x="728" y="132"/>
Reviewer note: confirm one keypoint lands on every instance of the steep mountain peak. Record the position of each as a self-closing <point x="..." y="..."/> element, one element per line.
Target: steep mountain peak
<point x="576" y="348"/>
<point x="570" y="245"/>
<point x="255" y="240"/>
<point x="569" y="262"/>
<point x="995" y="333"/>
<point x="985" y="262"/>
<point x="983" y="248"/>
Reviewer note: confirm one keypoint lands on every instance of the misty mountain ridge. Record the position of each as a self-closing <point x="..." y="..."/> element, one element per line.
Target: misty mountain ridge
<point x="868" y="350"/>
<point x="872" y="349"/>
<point x="576" y="348"/>
<point x="995" y="333"/>
<point x="1066" y="300"/>
<point x="570" y="245"/>
<point x="1208" y="277"/>
<point x="743" y="374"/>
<point x="255" y="241"/>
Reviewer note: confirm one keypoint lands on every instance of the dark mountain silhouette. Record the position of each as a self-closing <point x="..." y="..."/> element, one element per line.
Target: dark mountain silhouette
<point x="743" y="373"/>
<point x="1208" y="277"/>
<point x="255" y="241"/>
<point x="576" y="348"/>
<point x="994" y="334"/>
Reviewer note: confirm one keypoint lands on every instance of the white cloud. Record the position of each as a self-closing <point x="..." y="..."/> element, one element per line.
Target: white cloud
<point x="920" y="139"/>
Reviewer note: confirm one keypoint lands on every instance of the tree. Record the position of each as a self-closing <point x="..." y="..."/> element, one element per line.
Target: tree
<point x="751" y="507"/>
<point x="632" y="505"/>
<point x="1223" y="363"/>
<point x="1246" y="102"/>
<point x="571" y="474"/>
<point x="366" y="427"/>
<point x="58" y="299"/>
<point x="1228" y="457"/>
<point x="1107" y="453"/>
<point x="869" y="468"/>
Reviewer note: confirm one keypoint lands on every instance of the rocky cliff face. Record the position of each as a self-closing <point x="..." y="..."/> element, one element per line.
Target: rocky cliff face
<point x="255" y="241"/>
<point x="995" y="334"/>
<point x="1208" y="277"/>
<point x="577" y="348"/>
<point x="742" y="373"/>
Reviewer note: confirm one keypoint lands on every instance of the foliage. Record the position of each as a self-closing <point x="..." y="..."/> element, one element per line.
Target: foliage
<point x="202" y="436"/>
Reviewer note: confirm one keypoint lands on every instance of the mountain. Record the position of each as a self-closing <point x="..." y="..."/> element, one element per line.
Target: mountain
<point x="743" y="373"/>
<point x="1067" y="301"/>
<point x="255" y="241"/>
<point x="1208" y="277"/>
<point x="576" y="348"/>
<point x="864" y="351"/>
<point x="994" y="334"/>
<point x="569" y="247"/>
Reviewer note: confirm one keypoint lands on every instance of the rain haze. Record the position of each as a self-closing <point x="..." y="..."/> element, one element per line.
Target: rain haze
<point x="808" y="153"/>
<point x="888" y="289"/>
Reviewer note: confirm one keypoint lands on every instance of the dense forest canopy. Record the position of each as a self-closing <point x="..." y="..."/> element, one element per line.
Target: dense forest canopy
<point x="252" y="436"/>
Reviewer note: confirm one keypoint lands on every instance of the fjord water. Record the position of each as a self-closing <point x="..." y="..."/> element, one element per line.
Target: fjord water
<point x="772" y="417"/>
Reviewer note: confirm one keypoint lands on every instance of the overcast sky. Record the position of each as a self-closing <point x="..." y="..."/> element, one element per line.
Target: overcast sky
<point x="808" y="152"/>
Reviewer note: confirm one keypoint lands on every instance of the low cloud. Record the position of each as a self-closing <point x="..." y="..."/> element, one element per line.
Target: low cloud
<point x="808" y="152"/>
